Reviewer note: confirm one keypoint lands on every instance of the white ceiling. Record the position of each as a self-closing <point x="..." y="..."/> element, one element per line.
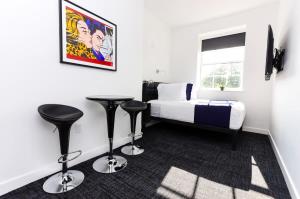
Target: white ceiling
<point x="183" y="12"/>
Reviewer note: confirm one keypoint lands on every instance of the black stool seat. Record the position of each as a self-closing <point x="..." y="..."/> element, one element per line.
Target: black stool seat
<point x="134" y="106"/>
<point x="59" y="113"/>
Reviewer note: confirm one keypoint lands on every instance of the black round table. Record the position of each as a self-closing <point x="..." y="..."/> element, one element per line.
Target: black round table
<point x="110" y="163"/>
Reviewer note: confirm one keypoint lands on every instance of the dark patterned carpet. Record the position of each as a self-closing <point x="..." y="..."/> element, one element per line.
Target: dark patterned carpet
<point x="181" y="162"/>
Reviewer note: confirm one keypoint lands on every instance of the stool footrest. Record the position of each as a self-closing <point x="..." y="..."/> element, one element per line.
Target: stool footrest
<point x="60" y="159"/>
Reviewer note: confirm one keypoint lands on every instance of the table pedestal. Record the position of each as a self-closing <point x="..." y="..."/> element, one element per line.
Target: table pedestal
<point x="110" y="163"/>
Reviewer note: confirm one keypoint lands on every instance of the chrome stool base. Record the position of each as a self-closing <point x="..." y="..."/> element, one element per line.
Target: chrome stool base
<point x="104" y="165"/>
<point x="55" y="184"/>
<point x="132" y="150"/>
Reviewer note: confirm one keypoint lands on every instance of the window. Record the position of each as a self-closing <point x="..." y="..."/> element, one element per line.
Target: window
<point x="222" y="62"/>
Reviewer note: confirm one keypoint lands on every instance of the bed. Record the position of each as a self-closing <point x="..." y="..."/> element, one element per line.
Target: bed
<point x="219" y="116"/>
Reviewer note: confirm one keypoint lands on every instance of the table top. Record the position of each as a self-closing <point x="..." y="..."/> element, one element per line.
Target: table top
<point x="110" y="98"/>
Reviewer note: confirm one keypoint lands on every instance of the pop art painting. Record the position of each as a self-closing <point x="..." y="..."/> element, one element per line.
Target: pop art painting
<point x="86" y="39"/>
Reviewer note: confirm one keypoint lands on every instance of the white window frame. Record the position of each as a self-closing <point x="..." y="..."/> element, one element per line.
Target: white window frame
<point x="215" y="34"/>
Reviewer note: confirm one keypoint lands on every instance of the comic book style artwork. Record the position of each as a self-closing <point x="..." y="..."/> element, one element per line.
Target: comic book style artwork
<point x="87" y="39"/>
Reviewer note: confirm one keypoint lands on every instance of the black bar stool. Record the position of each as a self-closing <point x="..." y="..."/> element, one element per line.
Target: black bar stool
<point x="62" y="117"/>
<point x="133" y="107"/>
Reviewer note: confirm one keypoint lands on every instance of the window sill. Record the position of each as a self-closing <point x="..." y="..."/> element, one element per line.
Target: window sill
<point x="225" y="90"/>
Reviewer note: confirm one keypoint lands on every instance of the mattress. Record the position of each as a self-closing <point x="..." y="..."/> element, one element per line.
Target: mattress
<point x="185" y="110"/>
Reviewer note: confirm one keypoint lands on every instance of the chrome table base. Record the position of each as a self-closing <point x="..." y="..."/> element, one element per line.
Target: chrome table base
<point x="55" y="184"/>
<point x="132" y="150"/>
<point x="104" y="165"/>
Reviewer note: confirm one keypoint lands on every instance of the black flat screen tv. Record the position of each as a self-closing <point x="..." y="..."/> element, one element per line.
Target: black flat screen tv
<point x="270" y="54"/>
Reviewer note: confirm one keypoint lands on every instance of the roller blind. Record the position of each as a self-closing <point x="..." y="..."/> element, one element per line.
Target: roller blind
<point x="228" y="41"/>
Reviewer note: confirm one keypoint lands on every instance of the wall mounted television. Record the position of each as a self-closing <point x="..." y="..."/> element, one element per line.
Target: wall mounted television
<point x="274" y="57"/>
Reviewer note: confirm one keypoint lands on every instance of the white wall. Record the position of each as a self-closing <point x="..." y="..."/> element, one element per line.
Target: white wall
<point x="156" y="48"/>
<point x="31" y="75"/>
<point x="256" y="93"/>
<point x="286" y="93"/>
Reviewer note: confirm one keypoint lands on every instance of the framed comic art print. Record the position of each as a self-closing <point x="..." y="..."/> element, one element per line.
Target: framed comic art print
<point x="86" y="39"/>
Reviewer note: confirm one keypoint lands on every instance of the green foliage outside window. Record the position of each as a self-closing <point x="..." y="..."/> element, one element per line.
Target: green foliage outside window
<point x="222" y="75"/>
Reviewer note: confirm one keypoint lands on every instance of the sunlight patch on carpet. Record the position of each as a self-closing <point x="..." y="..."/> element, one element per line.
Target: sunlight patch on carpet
<point x="257" y="177"/>
<point x="178" y="183"/>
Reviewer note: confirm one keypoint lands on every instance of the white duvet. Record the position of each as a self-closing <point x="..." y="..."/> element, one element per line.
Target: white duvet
<point x="184" y="111"/>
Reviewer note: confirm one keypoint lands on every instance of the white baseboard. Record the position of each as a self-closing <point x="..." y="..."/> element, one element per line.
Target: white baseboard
<point x="24" y="179"/>
<point x="291" y="186"/>
<point x="256" y="130"/>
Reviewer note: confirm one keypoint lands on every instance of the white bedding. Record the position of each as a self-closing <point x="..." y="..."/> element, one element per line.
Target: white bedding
<point x="184" y="111"/>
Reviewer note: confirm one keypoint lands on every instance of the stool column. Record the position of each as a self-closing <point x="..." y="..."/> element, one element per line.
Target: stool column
<point x="64" y="139"/>
<point x="133" y="125"/>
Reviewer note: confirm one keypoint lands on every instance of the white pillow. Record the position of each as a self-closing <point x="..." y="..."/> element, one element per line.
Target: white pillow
<point x="173" y="91"/>
<point x="194" y="94"/>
